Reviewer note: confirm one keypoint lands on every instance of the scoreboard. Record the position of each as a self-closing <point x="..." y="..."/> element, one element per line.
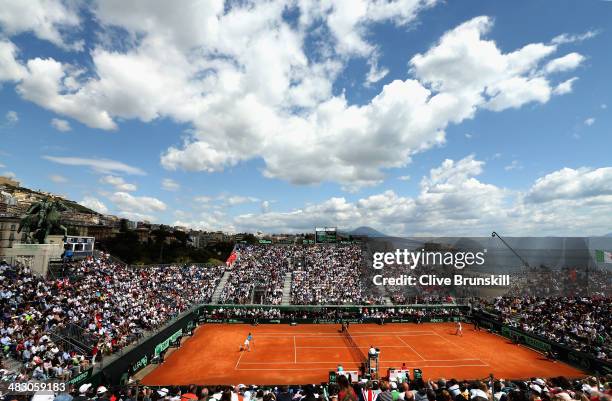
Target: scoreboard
<point x="325" y="235"/>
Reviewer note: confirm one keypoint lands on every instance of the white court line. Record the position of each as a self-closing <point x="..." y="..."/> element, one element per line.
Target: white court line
<point x="353" y="362"/>
<point x="310" y="363"/>
<point x="356" y="332"/>
<point x="239" y="358"/>
<point x="409" y="346"/>
<point x="363" y="334"/>
<point x="361" y="346"/>
<point x="445" y="360"/>
<point x="457" y="345"/>
<point x="352" y="335"/>
<point x="396" y="334"/>
<point x="381" y="366"/>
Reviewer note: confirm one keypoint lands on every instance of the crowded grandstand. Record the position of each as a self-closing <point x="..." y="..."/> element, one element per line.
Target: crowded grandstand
<point x="557" y="388"/>
<point x="113" y="305"/>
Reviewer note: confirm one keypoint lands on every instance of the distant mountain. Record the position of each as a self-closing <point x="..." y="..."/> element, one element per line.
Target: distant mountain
<point x="608" y="235"/>
<point x="369" y="231"/>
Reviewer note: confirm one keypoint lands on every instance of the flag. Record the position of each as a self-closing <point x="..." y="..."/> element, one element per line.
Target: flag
<point x="603" y="256"/>
<point x="232" y="258"/>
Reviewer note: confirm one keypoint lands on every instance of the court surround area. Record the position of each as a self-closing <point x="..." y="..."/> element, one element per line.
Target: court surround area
<point x="283" y="354"/>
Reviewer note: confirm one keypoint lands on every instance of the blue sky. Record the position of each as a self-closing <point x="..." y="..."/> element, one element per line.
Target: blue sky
<point x="411" y="116"/>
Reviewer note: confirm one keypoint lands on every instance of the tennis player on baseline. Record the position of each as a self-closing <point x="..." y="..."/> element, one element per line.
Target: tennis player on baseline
<point x="247" y="343"/>
<point x="459" y="329"/>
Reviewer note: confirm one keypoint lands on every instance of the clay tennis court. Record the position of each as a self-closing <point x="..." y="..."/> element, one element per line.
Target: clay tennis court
<point x="303" y="354"/>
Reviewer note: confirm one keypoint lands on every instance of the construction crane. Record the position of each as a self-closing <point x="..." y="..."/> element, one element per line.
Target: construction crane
<point x="525" y="264"/>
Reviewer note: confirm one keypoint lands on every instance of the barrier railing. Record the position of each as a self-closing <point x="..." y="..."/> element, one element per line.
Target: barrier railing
<point x="117" y="368"/>
<point x="171" y="264"/>
<point x="562" y="352"/>
<point x="99" y="254"/>
<point x="463" y="303"/>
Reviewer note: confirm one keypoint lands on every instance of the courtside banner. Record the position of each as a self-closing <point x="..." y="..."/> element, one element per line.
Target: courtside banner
<point x="142" y="353"/>
<point x="164" y="345"/>
<point x="409" y="269"/>
<point x="520" y="337"/>
<point x="81" y="378"/>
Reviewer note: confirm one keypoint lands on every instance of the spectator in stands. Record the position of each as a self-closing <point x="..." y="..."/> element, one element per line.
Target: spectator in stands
<point x="283" y="394"/>
<point x="258" y="267"/>
<point x="321" y="274"/>
<point x="385" y="390"/>
<point x="110" y="305"/>
<point x="330" y="275"/>
<point x="345" y="390"/>
<point x="584" y="324"/>
<point x="369" y="393"/>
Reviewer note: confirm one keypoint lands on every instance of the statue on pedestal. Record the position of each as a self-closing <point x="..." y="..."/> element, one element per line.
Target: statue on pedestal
<point x="41" y="218"/>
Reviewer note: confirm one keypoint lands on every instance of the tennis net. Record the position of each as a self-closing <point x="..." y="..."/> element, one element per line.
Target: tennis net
<point x="353" y="347"/>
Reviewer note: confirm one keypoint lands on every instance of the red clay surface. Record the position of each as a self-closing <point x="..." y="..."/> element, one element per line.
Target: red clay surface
<point x="304" y="354"/>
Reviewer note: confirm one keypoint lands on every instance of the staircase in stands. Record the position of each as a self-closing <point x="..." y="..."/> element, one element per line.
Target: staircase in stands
<point x="286" y="300"/>
<point x="217" y="294"/>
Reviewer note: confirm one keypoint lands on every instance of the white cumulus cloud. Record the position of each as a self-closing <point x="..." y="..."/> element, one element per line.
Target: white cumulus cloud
<point x="11" y="69"/>
<point x="11" y="118"/>
<point x="94" y="204"/>
<point x="118" y="183"/>
<point x="565" y="87"/>
<point x="217" y="67"/>
<point x="58" y="179"/>
<point x="60" y="125"/>
<point x="130" y="204"/>
<point x="105" y="166"/>
<point x="572" y="38"/>
<point x="50" y="20"/>
<point x="569" y="183"/>
<point x="565" y="63"/>
<point x="169" y="184"/>
<point x="454" y="201"/>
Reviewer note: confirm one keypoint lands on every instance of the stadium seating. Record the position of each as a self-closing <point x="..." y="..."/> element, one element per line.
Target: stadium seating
<point x="534" y="389"/>
<point x="115" y="305"/>
<point x="111" y="303"/>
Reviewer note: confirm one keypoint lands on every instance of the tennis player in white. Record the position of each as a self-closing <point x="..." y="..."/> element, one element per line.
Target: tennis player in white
<point x="459" y="331"/>
<point x="247" y="343"/>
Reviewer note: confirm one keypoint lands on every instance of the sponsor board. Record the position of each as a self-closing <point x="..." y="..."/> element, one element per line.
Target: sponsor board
<point x="326" y="321"/>
<point x="528" y="340"/>
<point x="140" y="364"/>
<point x="164" y="345"/>
<point x="537" y="344"/>
<point x="81" y="377"/>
